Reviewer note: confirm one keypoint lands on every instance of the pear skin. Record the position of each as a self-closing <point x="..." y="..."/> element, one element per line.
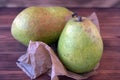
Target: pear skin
<point x="80" y="45"/>
<point x="40" y="24"/>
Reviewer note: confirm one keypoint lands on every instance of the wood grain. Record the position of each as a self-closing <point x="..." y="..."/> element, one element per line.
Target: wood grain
<point x="69" y="3"/>
<point x="10" y="49"/>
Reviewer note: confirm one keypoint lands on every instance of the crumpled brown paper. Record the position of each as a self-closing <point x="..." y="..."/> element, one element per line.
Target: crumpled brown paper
<point x="40" y="58"/>
<point x="93" y="17"/>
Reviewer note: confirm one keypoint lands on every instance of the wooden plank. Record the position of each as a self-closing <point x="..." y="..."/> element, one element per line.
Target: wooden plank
<point x="11" y="49"/>
<point x="107" y="23"/>
<point x="19" y="75"/>
<point x="70" y="3"/>
<point x="108" y="59"/>
<point x="110" y="37"/>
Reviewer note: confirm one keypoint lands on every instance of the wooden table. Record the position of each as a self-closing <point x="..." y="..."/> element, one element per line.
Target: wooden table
<point x="10" y="49"/>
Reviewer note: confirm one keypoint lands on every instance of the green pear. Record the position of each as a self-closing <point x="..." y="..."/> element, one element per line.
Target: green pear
<point x="40" y="24"/>
<point x="80" y="45"/>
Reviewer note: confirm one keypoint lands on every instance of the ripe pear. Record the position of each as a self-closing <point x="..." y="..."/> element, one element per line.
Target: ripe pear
<point x="40" y="24"/>
<point x="80" y="45"/>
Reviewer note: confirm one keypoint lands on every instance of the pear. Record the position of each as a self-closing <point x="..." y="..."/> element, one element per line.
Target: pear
<point x="40" y="24"/>
<point x="80" y="45"/>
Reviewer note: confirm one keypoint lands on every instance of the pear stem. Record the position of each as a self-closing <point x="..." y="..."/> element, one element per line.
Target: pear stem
<point x="74" y="15"/>
<point x="79" y="18"/>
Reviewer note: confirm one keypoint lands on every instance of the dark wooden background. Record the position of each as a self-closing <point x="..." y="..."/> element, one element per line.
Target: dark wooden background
<point x="65" y="3"/>
<point x="11" y="50"/>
